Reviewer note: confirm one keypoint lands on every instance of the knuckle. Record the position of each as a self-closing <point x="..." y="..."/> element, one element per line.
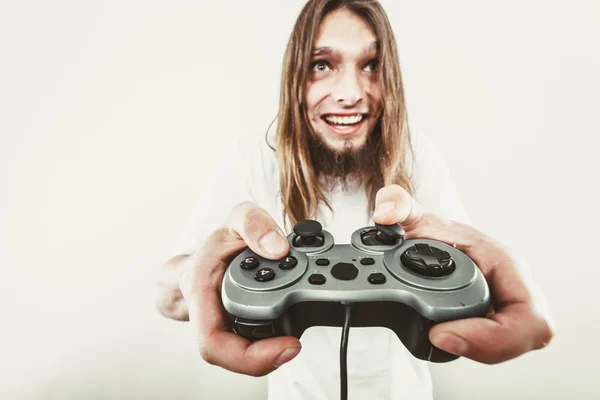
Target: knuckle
<point x="254" y="222"/>
<point x="244" y="205"/>
<point x="226" y="234"/>
<point x="476" y="240"/>
<point x="239" y="211"/>
<point x="382" y="193"/>
<point x="446" y="224"/>
<point x="206" y="356"/>
<point x="205" y="353"/>
<point x="397" y="190"/>
<point x="249" y="219"/>
<point x="390" y="190"/>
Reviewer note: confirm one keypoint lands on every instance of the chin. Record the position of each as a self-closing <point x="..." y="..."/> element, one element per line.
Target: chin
<point x="345" y="144"/>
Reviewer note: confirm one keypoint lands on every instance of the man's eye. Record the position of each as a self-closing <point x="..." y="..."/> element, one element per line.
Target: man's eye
<point x="372" y="66"/>
<point x="320" y="66"/>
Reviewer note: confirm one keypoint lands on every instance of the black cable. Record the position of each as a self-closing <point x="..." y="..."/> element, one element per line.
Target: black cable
<point x="267" y="134"/>
<point x="344" y="351"/>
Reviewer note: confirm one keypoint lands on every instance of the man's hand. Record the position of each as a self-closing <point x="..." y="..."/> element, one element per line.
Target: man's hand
<point x="517" y="323"/>
<point x="200" y="284"/>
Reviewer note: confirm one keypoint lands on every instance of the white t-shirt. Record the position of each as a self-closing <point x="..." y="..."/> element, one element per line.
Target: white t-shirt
<point x="379" y="366"/>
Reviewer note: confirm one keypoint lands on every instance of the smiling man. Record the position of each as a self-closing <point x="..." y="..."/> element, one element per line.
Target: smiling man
<point x="341" y="153"/>
<point x="342" y="107"/>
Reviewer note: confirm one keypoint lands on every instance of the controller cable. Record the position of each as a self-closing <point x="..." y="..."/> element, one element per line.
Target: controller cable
<point x="344" y="351"/>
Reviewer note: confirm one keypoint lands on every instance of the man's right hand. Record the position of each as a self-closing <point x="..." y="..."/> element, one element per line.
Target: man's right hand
<point x="200" y="284"/>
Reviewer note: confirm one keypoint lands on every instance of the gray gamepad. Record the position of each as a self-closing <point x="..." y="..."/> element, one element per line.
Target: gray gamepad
<point x="405" y="285"/>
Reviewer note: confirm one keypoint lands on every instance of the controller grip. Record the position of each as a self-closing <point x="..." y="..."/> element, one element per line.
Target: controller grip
<point x="408" y="325"/>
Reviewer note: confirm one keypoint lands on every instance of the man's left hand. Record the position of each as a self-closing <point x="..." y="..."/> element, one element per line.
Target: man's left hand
<point x="518" y="321"/>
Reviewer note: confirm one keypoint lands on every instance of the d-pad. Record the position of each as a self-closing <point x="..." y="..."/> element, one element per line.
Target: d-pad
<point x="429" y="261"/>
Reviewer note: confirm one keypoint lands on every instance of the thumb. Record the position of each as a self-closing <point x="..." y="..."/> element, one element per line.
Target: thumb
<point x="240" y="355"/>
<point x="393" y="204"/>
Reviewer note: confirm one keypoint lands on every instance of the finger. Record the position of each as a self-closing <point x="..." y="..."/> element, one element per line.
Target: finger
<point x="258" y="230"/>
<point x="218" y="346"/>
<point x="503" y="336"/>
<point x="464" y="237"/>
<point x="248" y="225"/>
<point x="240" y="355"/>
<point x="394" y="205"/>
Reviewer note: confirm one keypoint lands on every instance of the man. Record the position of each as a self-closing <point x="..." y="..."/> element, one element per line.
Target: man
<point x="342" y="155"/>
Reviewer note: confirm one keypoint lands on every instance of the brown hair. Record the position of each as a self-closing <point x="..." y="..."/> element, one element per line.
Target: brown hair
<point x="299" y="186"/>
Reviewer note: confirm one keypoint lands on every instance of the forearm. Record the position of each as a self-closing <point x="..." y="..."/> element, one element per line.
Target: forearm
<point x="169" y="300"/>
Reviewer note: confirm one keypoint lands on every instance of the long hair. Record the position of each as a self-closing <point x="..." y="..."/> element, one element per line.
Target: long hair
<point x="300" y="190"/>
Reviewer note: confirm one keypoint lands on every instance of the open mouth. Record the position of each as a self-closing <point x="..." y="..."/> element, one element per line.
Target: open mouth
<point x="343" y="120"/>
<point x="344" y="125"/>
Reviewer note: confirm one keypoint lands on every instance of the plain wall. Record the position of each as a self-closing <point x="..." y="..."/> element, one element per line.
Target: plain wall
<point x="115" y="115"/>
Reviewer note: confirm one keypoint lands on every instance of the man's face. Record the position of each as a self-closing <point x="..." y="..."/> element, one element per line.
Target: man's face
<point x="343" y="97"/>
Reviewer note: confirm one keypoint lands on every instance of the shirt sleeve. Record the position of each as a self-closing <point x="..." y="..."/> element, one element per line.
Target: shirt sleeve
<point x="228" y="185"/>
<point x="434" y="188"/>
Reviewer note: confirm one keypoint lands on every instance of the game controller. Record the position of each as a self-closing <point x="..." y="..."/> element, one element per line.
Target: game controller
<point x="407" y="286"/>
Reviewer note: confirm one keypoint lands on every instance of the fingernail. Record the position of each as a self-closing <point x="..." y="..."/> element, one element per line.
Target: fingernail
<point x="450" y="343"/>
<point x="273" y="243"/>
<point x="287" y="355"/>
<point x="384" y="208"/>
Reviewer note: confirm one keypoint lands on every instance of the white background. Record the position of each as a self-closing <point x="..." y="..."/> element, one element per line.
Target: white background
<point x="114" y="116"/>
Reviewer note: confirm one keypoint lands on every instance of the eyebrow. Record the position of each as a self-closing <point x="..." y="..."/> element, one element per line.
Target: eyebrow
<point x="326" y="50"/>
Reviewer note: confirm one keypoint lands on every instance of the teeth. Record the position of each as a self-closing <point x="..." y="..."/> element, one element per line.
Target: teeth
<point x="355" y="119"/>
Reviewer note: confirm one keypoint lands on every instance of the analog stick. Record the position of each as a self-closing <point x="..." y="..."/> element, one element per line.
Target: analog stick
<point x="309" y="233"/>
<point x="388" y="234"/>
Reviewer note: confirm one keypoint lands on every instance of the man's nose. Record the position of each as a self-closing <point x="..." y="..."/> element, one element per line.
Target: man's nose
<point x="348" y="90"/>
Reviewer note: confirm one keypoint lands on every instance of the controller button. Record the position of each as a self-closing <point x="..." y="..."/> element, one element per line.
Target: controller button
<point x="307" y="228"/>
<point x="316" y="279"/>
<point x="344" y="271"/>
<point x="249" y="263"/>
<point x="376" y="278"/>
<point x="288" y="262"/>
<point x="372" y="237"/>
<point x="391" y="231"/>
<point x="418" y="267"/>
<point x="308" y="234"/>
<point x="435" y="270"/>
<point x="367" y="261"/>
<point x="264" y="275"/>
<point x="322" y="262"/>
<point x="448" y="266"/>
<point x="423" y="248"/>
<point x="254" y="329"/>
<point x="429" y="261"/>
